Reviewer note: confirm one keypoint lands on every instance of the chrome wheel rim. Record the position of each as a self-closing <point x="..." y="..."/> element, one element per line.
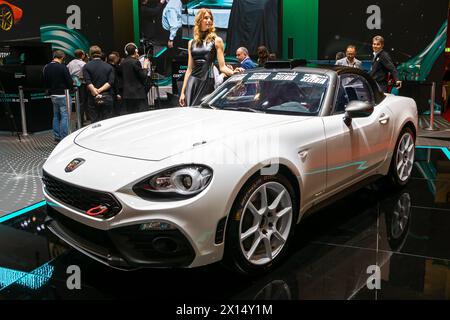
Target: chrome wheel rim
<point x="6" y="18"/>
<point x="401" y="215"/>
<point x="265" y="223"/>
<point x="405" y="157"/>
<point x="275" y="290"/>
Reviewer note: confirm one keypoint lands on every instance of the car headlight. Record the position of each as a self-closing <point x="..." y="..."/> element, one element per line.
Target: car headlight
<point x="183" y="181"/>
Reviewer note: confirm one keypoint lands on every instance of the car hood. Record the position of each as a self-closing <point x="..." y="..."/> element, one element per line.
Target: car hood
<point x="156" y="135"/>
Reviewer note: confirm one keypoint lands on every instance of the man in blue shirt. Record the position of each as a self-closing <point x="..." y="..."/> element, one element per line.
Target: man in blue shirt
<point x="171" y="19"/>
<point x="244" y="59"/>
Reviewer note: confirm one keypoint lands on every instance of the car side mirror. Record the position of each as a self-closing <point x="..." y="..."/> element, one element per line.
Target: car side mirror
<point x="357" y="109"/>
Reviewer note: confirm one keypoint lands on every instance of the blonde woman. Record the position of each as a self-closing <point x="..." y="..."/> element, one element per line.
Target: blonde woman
<point x="203" y="51"/>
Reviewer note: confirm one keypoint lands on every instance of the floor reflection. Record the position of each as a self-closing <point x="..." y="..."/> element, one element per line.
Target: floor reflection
<point x="405" y="233"/>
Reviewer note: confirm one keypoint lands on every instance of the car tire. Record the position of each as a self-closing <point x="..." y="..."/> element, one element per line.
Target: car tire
<point x="397" y="212"/>
<point x="402" y="159"/>
<point x="260" y="227"/>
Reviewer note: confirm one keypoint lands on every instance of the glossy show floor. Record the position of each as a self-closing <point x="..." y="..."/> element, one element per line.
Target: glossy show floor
<point x="406" y="234"/>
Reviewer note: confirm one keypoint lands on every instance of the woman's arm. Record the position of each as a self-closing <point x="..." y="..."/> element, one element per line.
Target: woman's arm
<point x="182" y="100"/>
<point x="221" y="58"/>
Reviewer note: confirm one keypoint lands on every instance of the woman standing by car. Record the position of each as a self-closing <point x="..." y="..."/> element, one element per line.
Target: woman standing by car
<point x="203" y="50"/>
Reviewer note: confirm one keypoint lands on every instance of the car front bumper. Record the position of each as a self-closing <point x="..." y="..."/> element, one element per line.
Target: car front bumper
<point x="123" y="248"/>
<point x="118" y="240"/>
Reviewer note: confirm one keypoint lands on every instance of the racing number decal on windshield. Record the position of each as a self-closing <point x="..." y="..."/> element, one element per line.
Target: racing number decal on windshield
<point x="237" y="78"/>
<point x="283" y="76"/>
<point x="314" y="78"/>
<point x="259" y="76"/>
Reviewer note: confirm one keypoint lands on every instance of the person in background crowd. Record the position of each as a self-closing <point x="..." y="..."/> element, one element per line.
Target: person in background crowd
<point x="203" y="50"/>
<point x="350" y="58"/>
<point x="382" y="65"/>
<point x="86" y="57"/>
<point x="76" y="66"/>
<point x="119" y="85"/>
<point x="76" y="71"/>
<point x="116" y="57"/>
<point x="57" y="79"/>
<point x="244" y="59"/>
<point x="143" y="56"/>
<point x="171" y="20"/>
<point x="272" y="57"/>
<point x="134" y="77"/>
<point x="172" y="24"/>
<point x="263" y="55"/>
<point x="150" y="17"/>
<point x="99" y="78"/>
<point x="113" y="60"/>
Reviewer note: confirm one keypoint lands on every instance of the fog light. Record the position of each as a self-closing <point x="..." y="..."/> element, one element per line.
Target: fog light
<point x="156" y="226"/>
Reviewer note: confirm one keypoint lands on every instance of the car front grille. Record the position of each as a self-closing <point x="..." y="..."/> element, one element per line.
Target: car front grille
<point x="80" y="198"/>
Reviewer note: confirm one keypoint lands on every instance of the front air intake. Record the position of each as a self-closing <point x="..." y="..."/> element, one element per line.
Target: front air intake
<point x="79" y="198"/>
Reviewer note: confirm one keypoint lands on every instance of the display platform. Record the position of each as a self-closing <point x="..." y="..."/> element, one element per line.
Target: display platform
<point x="406" y="234"/>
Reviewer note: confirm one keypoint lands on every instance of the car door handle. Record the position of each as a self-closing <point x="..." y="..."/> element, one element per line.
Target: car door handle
<point x="384" y="119"/>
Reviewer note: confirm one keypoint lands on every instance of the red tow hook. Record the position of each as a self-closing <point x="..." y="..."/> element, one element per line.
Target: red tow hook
<point x="96" y="211"/>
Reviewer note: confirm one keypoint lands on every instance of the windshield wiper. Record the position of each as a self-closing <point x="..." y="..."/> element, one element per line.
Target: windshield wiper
<point x="247" y="109"/>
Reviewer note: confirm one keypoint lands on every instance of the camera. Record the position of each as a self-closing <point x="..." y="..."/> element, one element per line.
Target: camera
<point x="148" y="47"/>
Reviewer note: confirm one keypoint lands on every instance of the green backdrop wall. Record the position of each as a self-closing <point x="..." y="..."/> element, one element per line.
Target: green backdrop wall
<point x="300" y="21"/>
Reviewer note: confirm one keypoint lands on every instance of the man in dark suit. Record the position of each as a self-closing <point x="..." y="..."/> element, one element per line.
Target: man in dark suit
<point x="99" y="78"/>
<point x="382" y="65"/>
<point x="133" y="76"/>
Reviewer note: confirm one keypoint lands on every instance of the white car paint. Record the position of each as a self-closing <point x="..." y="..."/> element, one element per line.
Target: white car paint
<point x="323" y="154"/>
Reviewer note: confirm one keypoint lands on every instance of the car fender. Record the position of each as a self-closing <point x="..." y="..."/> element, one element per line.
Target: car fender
<point x="408" y="114"/>
<point x="267" y="165"/>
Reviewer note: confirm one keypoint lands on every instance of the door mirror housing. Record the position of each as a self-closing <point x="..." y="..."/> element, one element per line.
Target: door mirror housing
<point x="357" y="109"/>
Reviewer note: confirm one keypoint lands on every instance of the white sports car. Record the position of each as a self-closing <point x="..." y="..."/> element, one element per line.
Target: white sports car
<point x="227" y="180"/>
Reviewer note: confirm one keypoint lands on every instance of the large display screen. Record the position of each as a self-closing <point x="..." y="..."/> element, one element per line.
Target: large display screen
<point x="247" y="23"/>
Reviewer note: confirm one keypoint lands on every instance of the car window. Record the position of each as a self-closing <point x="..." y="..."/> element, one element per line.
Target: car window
<point x="341" y="101"/>
<point x="273" y="92"/>
<point x="352" y="87"/>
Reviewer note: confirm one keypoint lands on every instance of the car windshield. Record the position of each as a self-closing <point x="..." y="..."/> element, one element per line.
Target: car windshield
<point x="297" y="93"/>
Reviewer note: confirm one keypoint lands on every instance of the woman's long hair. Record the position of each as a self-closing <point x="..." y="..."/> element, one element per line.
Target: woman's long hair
<point x="263" y="55"/>
<point x="211" y="33"/>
